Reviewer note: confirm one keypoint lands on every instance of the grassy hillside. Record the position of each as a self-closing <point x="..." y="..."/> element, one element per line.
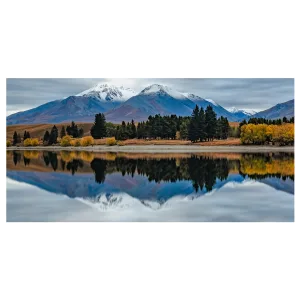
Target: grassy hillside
<point x="38" y="130"/>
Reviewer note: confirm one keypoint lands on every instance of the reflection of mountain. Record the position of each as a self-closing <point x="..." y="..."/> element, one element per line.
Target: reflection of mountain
<point x="153" y="182"/>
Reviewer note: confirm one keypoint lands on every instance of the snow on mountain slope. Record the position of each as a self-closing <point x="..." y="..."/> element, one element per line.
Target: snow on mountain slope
<point x="105" y="92"/>
<point x="212" y="102"/>
<point x="249" y="112"/>
<point x="162" y="89"/>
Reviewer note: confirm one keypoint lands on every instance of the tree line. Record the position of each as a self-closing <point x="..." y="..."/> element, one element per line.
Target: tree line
<point x="200" y="126"/>
<point x="267" y="121"/>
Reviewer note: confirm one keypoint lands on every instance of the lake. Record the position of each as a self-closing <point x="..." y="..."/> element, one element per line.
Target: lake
<point x="203" y="187"/>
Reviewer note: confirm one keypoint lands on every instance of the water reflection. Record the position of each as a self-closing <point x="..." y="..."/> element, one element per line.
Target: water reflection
<point x="119" y="180"/>
<point x="201" y="170"/>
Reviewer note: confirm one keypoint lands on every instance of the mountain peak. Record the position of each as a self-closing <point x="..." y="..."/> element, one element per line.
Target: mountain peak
<point x="108" y="92"/>
<point x="248" y="112"/>
<point x="162" y="89"/>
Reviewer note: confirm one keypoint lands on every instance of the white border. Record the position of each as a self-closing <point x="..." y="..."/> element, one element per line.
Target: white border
<point x="160" y="77"/>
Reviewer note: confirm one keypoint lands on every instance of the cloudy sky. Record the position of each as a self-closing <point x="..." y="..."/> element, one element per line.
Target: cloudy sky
<point x="257" y="94"/>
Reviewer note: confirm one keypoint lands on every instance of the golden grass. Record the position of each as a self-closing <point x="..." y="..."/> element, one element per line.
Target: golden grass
<point x="38" y="130"/>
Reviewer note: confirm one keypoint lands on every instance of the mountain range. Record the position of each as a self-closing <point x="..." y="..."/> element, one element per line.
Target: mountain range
<point x="121" y="103"/>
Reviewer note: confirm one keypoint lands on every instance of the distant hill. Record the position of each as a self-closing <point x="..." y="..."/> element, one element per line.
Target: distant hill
<point x="278" y="111"/>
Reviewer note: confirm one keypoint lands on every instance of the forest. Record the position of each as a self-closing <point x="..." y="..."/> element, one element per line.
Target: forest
<point x="201" y="126"/>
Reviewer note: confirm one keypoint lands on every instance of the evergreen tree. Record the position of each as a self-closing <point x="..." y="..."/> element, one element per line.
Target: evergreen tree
<point x="139" y="131"/>
<point x="26" y="135"/>
<point x="15" y="138"/>
<point x="244" y="122"/>
<point x="201" y="125"/>
<point x="133" y="130"/>
<point x="128" y="131"/>
<point x="80" y="132"/>
<point x="284" y="119"/>
<point x="193" y="132"/>
<point x="53" y="136"/>
<point x="219" y="128"/>
<point x="98" y="130"/>
<point x="73" y="130"/>
<point x="46" y="136"/>
<point x="62" y="132"/>
<point x="210" y="122"/>
<point x="118" y="133"/>
<point x="183" y="129"/>
<point x="123" y="131"/>
<point x="19" y="140"/>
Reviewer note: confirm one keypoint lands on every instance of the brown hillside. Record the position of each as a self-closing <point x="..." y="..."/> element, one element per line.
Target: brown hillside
<point x="38" y="130"/>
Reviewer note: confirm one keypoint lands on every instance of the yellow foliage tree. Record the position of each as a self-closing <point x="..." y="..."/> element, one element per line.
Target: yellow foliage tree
<point x="31" y="142"/>
<point x="111" y="141"/>
<point x="87" y="141"/>
<point x="66" y="141"/>
<point x="262" y="133"/>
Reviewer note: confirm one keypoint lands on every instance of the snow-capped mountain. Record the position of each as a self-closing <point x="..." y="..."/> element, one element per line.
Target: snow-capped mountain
<point x="241" y="114"/>
<point x="249" y="112"/>
<point x="124" y="104"/>
<point x="219" y="110"/>
<point x="81" y="107"/>
<point x="163" y="100"/>
<point x="162" y="90"/>
<point x="154" y="99"/>
<point x="106" y="92"/>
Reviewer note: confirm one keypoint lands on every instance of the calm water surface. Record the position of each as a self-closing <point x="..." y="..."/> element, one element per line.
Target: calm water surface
<point x="85" y="186"/>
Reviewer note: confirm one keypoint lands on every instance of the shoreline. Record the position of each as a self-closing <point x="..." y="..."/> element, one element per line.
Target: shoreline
<point x="160" y="148"/>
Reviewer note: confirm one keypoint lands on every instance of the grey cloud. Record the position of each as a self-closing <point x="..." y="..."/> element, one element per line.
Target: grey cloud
<point x="254" y="93"/>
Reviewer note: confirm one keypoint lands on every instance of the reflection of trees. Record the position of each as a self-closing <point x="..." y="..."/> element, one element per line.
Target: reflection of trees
<point x="74" y="165"/>
<point x="16" y="157"/>
<point x="62" y="164"/>
<point x="202" y="171"/>
<point x="46" y="158"/>
<point x="260" y="166"/>
<point x="99" y="168"/>
<point x="51" y="158"/>
<point x="26" y="160"/>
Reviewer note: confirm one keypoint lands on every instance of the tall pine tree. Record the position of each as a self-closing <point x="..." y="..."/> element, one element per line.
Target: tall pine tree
<point x="133" y="130"/>
<point x="193" y="131"/>
<point x="15" y="138"/>
<point x="53" y="136"/>
<point x="98" y="130"/>
<point x="62" y="132"/>
<point x="210" y="122"/>
<point x="201" y="125"/>
<point x="46" y="136"/>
